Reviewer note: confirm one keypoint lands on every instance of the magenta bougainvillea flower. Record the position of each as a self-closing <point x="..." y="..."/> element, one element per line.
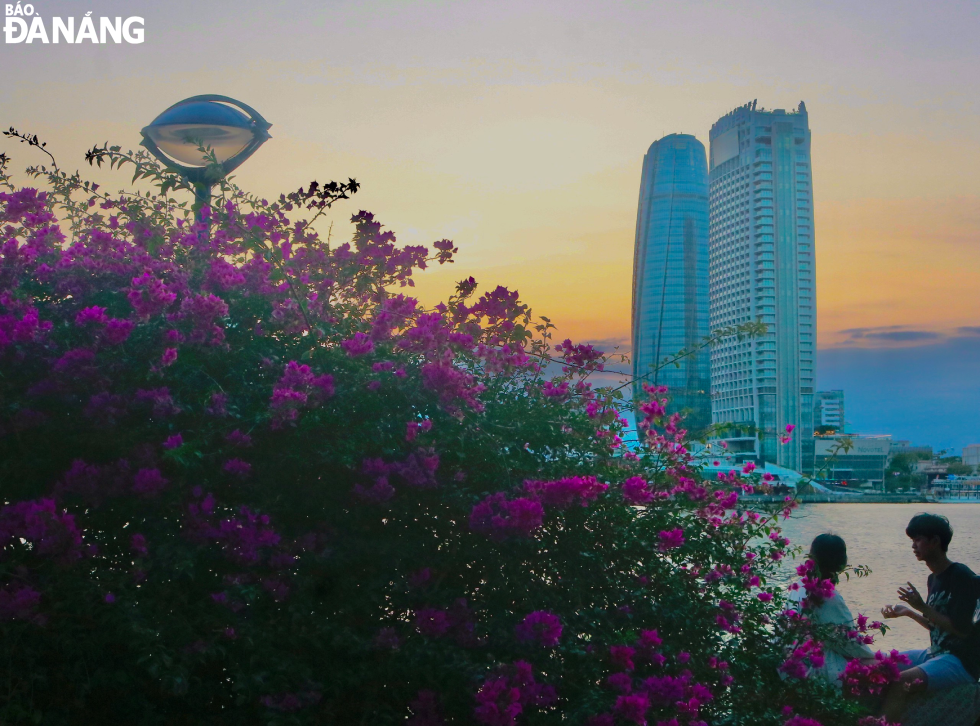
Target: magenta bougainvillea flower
<point x="540" y="627"/>
<point x="671" y="539"/>
<point x="244" y="473"/>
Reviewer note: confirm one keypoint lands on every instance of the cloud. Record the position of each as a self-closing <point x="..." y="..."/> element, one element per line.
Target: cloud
<point x="611" y="345"/>
<point x="890" y="334"/>
<point x="861" y="332"/>
<point x="969" y="330"/>
<point x="903" y="336"/>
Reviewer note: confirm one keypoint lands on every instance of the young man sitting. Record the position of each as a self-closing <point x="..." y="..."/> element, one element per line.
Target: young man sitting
<point x="950" y="613"/>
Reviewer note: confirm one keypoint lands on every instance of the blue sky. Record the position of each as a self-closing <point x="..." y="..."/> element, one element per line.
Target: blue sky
<point x="929" y="394"/>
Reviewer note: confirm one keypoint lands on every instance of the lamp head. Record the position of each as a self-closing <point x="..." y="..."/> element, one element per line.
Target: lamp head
<point x="230" y="128"/>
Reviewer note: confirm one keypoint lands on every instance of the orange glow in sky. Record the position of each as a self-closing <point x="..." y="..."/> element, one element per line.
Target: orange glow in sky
<point x="518" y="130"/>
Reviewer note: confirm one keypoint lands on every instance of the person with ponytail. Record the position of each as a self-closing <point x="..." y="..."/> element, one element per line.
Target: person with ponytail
<point x="826" y="561"/>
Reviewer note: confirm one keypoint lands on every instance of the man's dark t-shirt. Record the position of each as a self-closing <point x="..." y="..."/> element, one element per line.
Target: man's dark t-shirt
<point x="955" y="592"/>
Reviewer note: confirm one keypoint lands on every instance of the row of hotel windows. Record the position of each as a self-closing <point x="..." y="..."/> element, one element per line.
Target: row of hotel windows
<point x="729" y="357"/>
<point x="726" y="371"/>
<point x="728" y="400"/>
<point x="764" y="385"/>
<point x="728" y="295"/>
<point x="729" y="210"/>
<point x="725" y="283"/>
<point x="720" y="375"/>
<point x="743" y="385"/>
<point x="743" y="396"/>
<point x="730" y="354"/>
<point x="763" y="232"/>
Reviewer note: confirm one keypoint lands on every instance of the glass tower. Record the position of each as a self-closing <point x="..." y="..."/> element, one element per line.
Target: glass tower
<point x="670" y="276"/>
<point x="762" y="269"/>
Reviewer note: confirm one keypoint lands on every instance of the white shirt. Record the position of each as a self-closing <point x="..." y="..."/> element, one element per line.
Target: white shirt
<point x="833" y="611"/>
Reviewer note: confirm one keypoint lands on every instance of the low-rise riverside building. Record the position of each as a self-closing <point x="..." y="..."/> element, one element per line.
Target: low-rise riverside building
<point x="851" y="458"/>
<point x="904" y="446"/>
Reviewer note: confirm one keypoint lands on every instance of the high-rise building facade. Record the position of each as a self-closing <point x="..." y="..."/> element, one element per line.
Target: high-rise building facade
<point x="828" y="410"/>
<point x="670" y="276"/>
<point x="762" y="269"/>
<point x="971" y="455"/>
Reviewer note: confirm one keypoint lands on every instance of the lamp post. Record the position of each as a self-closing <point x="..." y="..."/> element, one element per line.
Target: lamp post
<point x="230" y="128"/>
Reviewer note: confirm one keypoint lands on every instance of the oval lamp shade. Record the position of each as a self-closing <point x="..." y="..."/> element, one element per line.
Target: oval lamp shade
<point x="178" y="132"/>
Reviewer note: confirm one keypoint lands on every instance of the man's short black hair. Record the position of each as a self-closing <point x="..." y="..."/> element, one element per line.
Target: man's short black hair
<point x="930" y="525"/>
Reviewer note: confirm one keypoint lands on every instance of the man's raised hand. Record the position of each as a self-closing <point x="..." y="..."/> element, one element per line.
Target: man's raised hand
<point x="896" y="611"/>
<point x="911" y="596"/>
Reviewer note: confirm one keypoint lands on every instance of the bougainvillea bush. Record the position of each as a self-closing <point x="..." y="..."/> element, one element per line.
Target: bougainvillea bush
<point x="247" y="478"/>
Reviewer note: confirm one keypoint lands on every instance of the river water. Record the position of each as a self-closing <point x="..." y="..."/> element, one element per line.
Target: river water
<point x="875" y="536"/>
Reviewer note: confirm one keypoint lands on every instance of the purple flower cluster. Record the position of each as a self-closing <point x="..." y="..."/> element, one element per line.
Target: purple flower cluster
<point x="432" y="622"/>
<point x="499" y="517"/>
<point x="860" y="632"/>
<point x="452" y="384"/>
<point x="93" y="483"/>
<point x="802" y="721"/>
<point x="381" y="490"/>
<point x="149" y="482"/>
<point x="659" y="692"/>
<point x="550" y="390"/>
<point x="805" y="655"/>
<point x="394" y="313"/>
<point x="419" y="469"/>
<point x="817" y="590"/>
<point x="201" y="313"/>
<point x="19" y="602"/>
<point x="239" y="439"/>
<point x="280" y="295"/>
<point x="412" y="429"/>
<point x="246" y="538"/>
<point x="223" y="276"/>
<point x="581" y="356"/>
<point x="670" y="539"/>
<point x="871" y="679"/>
<point x="458" y="622"/>
<point x="237" y="468"/>
<point x="360" y="344"/>
<point x="502" y="698"/>
<point x="500" y="304"/>
<point x="564" y="493"/>
<point x="637" y="491"/>
<point x="621" y="657"/>
<point x="540" y="627"/>
<point x="149" y="295"/>
<point x="298" y="389"/>
<point x="50" y="532"/>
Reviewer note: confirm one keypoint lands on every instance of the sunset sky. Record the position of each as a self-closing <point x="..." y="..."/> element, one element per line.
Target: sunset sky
<point x="518" y="130"/>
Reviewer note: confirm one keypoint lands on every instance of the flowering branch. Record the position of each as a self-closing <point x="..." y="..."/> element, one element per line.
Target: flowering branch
<point x="30" y="140"/>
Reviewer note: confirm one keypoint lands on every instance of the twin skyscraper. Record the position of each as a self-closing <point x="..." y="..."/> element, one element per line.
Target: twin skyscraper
<point x="725" y="239"/>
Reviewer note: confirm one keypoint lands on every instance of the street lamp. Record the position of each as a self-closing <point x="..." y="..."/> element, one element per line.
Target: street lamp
<point x="230" y="128"/>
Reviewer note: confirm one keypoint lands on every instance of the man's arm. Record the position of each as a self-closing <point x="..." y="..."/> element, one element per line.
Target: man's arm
<point x="899" y="611"/>
<point x="930" y="616"/>
<point x="941" y="621"/>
